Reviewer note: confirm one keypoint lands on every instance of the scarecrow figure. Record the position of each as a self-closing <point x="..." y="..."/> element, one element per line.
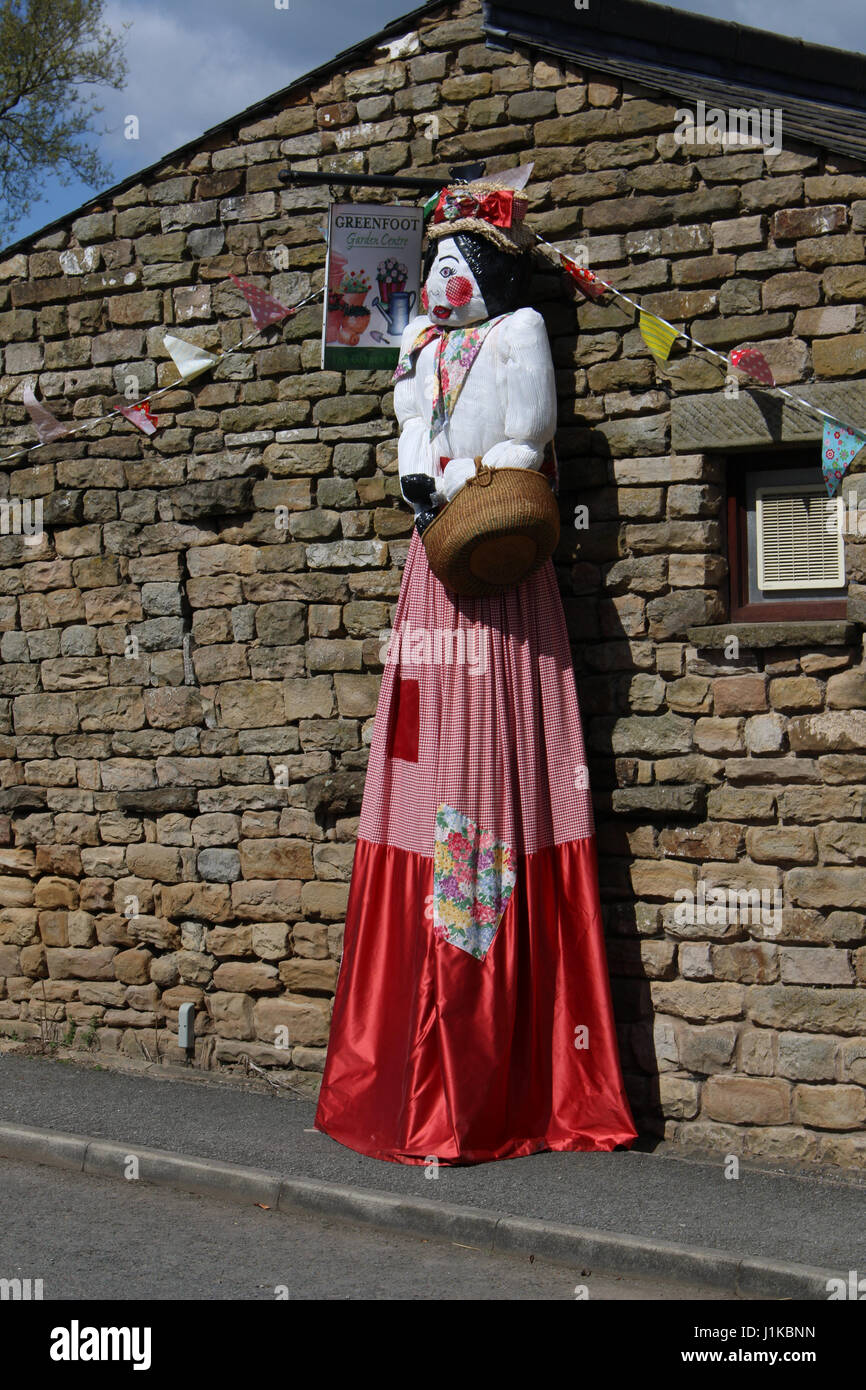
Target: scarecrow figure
<point x="472" y="1018"/>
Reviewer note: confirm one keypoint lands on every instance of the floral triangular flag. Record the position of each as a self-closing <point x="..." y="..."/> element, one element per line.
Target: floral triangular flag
<point x="190" y="360"/>
<point x="839" y="447"/>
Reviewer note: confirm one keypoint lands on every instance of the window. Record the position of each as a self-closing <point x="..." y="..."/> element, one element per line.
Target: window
<point x="785" y="548"/>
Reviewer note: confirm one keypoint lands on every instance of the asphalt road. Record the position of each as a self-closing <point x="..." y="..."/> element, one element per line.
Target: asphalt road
<point x="96" y="1238"/>
<point x="764" y="1213"/>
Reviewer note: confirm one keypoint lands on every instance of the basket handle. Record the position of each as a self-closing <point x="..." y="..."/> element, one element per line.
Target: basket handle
<point x="483" y="473"/>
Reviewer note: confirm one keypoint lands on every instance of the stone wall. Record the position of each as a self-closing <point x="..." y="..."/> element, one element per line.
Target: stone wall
<point x="180" y="809"/>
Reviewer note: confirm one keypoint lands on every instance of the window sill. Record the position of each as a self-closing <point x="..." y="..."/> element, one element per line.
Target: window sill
<point x="829" y="633"/>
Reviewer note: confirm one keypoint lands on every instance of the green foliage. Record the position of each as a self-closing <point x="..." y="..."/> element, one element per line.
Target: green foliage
<point x="51" y="52"/>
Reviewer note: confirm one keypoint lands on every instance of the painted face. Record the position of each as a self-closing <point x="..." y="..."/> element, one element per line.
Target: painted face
<point x="451" y="290"/>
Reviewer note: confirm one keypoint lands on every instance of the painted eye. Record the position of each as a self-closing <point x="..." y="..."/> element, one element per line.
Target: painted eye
<point x="446" y="271"/>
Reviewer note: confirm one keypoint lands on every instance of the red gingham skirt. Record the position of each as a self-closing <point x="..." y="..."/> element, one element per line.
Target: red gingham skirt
<point x="496" y="734"/>
<point x="434" y="1053"/>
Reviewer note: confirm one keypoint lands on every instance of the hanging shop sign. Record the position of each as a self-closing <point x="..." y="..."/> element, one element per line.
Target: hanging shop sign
<point x="373" y="280"/>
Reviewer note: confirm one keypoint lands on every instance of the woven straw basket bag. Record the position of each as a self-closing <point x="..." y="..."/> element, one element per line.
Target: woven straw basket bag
<point x="495" y="532"/>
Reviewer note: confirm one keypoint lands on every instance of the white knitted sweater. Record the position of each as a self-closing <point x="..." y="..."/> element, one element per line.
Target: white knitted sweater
<point x="506" y="410"/>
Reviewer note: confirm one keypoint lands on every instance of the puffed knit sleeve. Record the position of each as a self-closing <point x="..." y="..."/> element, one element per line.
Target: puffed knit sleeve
<point x="530" y="387"/>
<point x="414" y="453"/>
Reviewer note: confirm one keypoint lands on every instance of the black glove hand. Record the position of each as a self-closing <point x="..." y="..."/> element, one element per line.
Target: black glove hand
<point x="423" y="519"/>
<point x="418" y="488"/>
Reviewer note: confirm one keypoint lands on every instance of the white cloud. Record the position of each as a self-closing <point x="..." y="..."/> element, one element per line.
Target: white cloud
<point x="194" y="65"/>
<point x="188" y="71"/>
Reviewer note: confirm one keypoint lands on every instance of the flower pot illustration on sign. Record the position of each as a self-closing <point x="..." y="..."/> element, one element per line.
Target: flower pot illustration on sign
<point x="391" y="276"/>
<point x="354" y="288"/>
<point x="398" y="311"/>
<point x="354" y="320"/>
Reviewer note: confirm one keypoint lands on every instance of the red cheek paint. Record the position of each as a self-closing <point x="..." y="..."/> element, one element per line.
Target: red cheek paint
<point x="458" y="290"/>
<point x="425" y="300"/>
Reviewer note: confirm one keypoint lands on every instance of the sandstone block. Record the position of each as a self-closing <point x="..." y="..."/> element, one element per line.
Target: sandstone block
<point x="807" y="1057"/>
<point x="679" y="1096"/>
<point x="782" y="844"/>
<point x="706" y="1050"/>
<point x="250" y="704"/>
<point x="153" y="931"/>
<point x="830" y="1107"/>
<point x="70" y="963"/>
<point x="801" y="1009"/>
<point x="246" y="977"/>
<point x="279" y="859"/>
<point x="816" y="965"/>
<point x="303" y="976"/>
<point x="306" y="1021"/>
<point x="205" y="902"/>
<point x="742" y="1100"/>
<point x="229" y="941"/>
<point x="232" y="1014"/>
<point x="266" y="900"/>
<point x="699" y="1003"/>
<point x="133" y="967"/>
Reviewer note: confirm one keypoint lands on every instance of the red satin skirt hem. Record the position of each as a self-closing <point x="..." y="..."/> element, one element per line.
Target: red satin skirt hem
<point x="524" y="1149"/>
<point x="435" y="1054"/>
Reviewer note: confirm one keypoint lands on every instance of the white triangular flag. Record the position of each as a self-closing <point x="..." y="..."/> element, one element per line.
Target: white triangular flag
<point x="516" y="178"/>
<point x="48" y="427"/>
<point x="190" y="360"/>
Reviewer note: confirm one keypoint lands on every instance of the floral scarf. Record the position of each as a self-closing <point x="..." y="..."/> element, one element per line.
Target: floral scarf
<point x="457" y="350"/>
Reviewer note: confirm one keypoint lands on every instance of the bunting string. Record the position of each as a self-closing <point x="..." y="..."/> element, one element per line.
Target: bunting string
<point x="144" y="402"/>
<point x="657" y="332"/>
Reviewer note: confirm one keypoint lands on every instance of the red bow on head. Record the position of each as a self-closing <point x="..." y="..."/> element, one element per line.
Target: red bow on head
<point x="500" y="209"/>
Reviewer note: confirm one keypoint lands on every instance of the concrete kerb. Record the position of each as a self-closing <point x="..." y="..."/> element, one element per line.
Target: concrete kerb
<point x="605" y="1252"/>
<point x="46" y="1146"/>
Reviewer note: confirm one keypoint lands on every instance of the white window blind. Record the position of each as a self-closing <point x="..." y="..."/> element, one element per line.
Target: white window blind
<point x="797" y="548"/>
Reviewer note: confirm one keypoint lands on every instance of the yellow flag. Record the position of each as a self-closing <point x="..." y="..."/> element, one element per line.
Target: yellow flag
<point x="658" y="335"/>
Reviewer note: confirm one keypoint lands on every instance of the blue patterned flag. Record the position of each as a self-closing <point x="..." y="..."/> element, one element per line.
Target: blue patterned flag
<point x="839" y="447"/>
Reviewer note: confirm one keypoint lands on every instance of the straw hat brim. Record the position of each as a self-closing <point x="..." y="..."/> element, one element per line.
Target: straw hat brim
<point x="516" y="239"/>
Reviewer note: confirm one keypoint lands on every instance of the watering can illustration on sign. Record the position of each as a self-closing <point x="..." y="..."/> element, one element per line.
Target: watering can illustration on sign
<point x="397" y="311"/>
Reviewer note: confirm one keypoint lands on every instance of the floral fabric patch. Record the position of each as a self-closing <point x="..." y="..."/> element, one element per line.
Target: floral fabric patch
<point x="473" y="878"/>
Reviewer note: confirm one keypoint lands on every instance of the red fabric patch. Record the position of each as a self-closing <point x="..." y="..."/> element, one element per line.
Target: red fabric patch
<point x="458" y="290"/>
<point x="405" y="725"/>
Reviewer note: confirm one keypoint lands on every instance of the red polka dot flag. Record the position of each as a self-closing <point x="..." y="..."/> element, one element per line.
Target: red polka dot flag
<point x="755" y="363"/>
<point x="263" y="307"/>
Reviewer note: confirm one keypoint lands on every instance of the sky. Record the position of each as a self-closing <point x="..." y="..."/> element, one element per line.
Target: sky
<point x="195" y="63"/>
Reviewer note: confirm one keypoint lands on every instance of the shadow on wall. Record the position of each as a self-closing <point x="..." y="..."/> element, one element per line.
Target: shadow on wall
<point x="604" y="669"/>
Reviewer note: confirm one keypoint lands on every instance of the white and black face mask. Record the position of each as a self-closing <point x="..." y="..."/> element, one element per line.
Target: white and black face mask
<point x="453" y="298"/>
